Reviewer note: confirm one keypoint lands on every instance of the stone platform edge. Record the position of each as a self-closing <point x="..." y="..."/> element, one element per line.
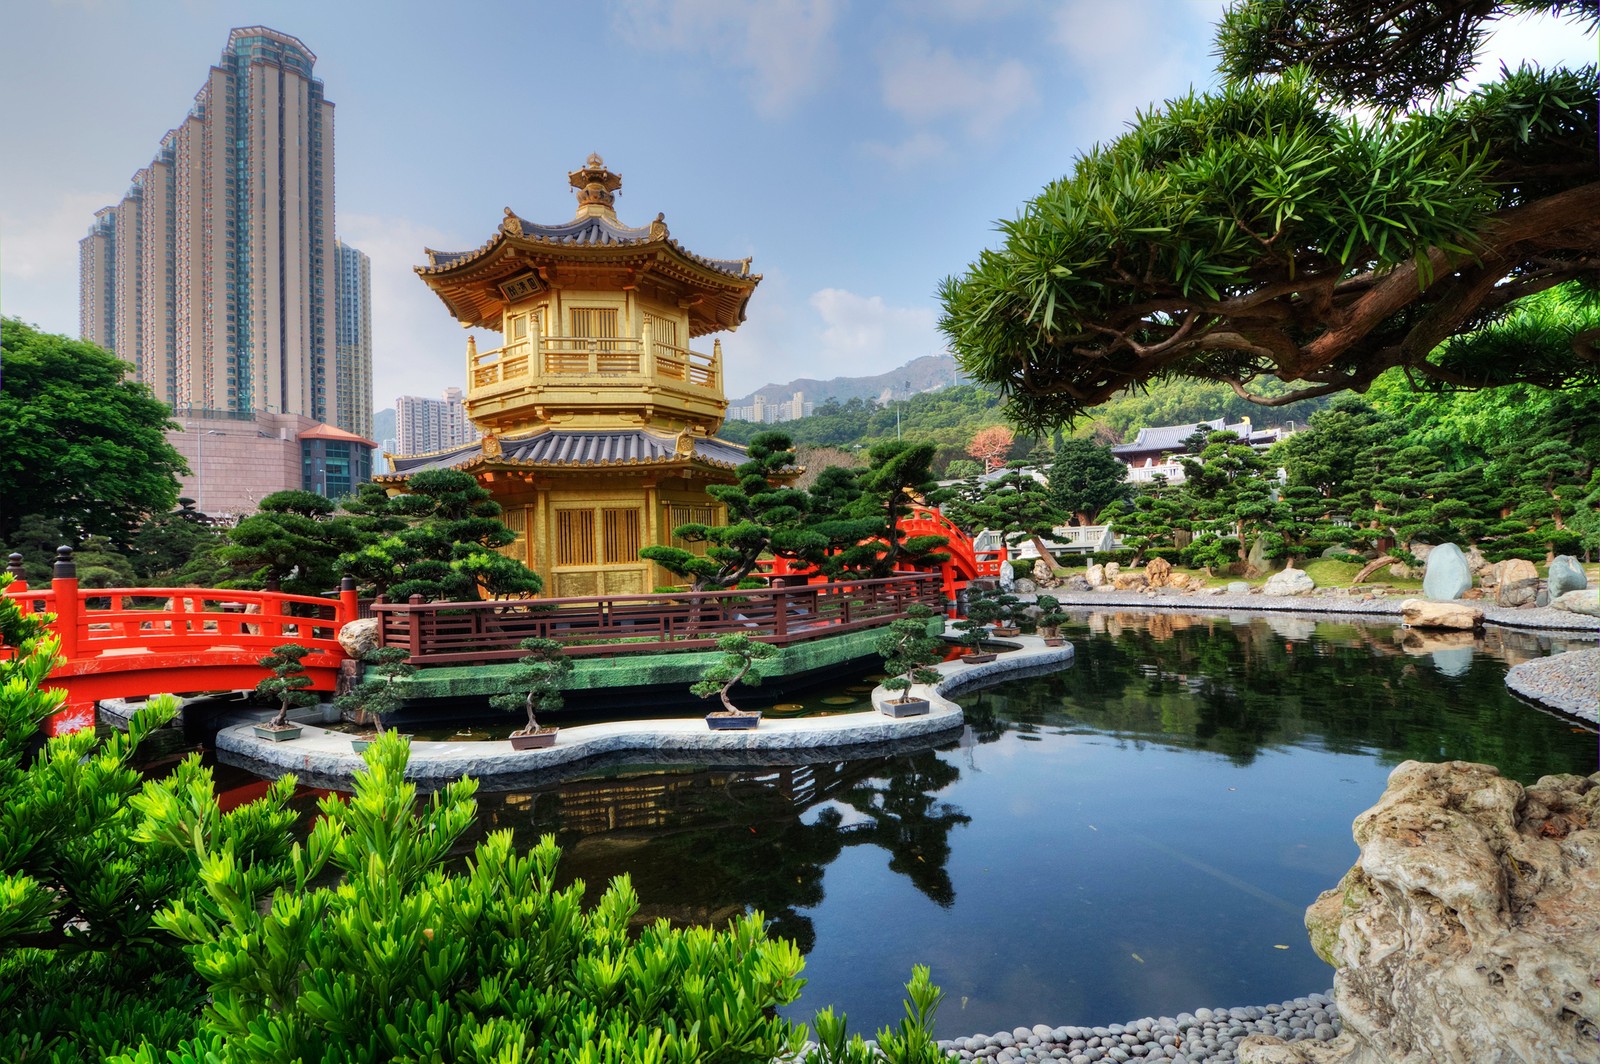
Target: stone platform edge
<point x="326" y="755"/>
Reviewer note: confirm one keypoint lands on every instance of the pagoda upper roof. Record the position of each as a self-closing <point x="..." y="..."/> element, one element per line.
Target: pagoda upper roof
<point x="575" y="448"/>
<point x="594" y="231"/>
<point x="518" y="259"/>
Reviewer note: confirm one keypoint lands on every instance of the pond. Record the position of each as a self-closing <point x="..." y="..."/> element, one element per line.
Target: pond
<point x="1136" y="835"/>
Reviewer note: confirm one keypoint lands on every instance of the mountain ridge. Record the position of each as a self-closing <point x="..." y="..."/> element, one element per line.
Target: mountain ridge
<point x="926" y="374"/>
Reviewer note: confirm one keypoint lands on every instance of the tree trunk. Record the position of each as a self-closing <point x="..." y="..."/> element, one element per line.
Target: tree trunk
<point x="1044" y="552"/>
<point x="727" y="703"/>
<point x="1372" y="567"/>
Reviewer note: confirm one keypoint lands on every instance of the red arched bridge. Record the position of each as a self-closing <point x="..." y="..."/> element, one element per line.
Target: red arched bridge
<point x="121" y="642"/>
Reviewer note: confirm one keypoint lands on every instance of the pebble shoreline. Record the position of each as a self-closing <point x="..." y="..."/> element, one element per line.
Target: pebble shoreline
<point x="1209" y="1035"/>
<point x="1568" y="682"/>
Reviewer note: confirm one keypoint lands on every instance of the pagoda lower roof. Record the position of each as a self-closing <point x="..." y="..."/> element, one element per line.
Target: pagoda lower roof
<point x="571" y="449"/>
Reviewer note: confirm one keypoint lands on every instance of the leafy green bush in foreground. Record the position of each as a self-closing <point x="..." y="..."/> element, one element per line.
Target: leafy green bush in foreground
<point x="395" y="959"/>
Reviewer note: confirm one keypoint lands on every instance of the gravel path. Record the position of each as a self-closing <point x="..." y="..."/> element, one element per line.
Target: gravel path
<point x="1568" y="682"/>
<point x="1209" y="1035"/>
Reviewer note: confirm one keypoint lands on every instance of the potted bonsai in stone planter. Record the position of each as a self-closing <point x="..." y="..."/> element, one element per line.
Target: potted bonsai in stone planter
<point x="287" y="684"/>
<point x="1051" y="620"/>
<point x="908" y="651"/>
<point x="536" y="684"/>
<point x="739" y="655"/>
<point x="378" y="696"/>
<point x="982" y="611"/>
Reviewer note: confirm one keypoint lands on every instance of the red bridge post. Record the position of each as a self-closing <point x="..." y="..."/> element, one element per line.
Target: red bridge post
<point x="69" y="608"/>
<point x="349" y="606"/>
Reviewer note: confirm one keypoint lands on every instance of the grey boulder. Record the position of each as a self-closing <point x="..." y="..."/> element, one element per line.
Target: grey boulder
<point x="1566" y="575"/>
<point x="1447" y="575"/>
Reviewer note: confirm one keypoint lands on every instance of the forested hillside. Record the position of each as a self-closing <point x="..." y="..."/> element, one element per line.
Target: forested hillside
<point x="952" y="416"/>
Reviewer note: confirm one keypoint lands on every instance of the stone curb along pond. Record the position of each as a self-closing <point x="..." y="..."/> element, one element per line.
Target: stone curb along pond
<point x="324" y="757"/>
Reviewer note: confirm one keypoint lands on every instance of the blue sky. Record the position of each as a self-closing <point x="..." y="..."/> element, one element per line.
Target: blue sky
<point x="858" y="151"/>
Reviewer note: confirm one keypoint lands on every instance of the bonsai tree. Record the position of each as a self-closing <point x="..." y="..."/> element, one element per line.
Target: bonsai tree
<point x="379" y="695"/>
<point x="288" y="681"/>
<point x="1051" y="620"/>
<point x="739" y="655"/>
<point x="1008" y="610"/>
<point x="537" y="682"/>
<point x="982" y="611"/>
<point x="908" y="650"/>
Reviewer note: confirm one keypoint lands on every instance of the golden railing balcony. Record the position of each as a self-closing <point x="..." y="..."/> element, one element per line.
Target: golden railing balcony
<point x="577" y="372"/>
<point x="578" y="356"/>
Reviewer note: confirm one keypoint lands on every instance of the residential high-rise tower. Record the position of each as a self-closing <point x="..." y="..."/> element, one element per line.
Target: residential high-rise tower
<point x="353" y="342"/>
<point x="423" y="426"/>
<point x="216" y="274"/>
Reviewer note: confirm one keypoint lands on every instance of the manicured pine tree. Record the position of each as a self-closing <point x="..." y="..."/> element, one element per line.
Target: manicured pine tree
<point x="1085" y="479"/>
<point x="762" y="517"/>
<point x="448" y="549"/>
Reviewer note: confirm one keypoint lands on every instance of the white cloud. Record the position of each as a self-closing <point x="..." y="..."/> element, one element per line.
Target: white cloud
<point x="926" y="85"/>
<point x="784" y="46"/>
<point x="842" y="335"/>
<point x="915" y="150"/>
<point x="1124" y="57"/>
<point x="417" y="347"/>
<point x="39" y="257"/>
<point x="1539" y="39"/>
<point x="864" y="335"/>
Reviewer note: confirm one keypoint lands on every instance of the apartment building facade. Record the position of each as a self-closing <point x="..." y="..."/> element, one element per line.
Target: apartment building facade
<point x="423" y="426"/>
<point x="217" y="274"/>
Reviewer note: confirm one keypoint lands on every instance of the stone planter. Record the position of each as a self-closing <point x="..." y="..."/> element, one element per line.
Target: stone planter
<point x="1054" y="641"/>
<point x="910" y="707"/>
<point x="360" y="745"/>
<point x="978" y="659"/>
<point x="537" y="740"/>
<point x="733" y="721"/>
<point x="278" y="735"/>
<point x="1006" y="629"/>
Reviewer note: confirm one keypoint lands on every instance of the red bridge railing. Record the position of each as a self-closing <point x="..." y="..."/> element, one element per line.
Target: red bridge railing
<point x="136" y="641"/>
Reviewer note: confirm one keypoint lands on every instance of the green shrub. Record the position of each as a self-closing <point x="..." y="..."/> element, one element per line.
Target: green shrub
<point x="83" y="971"/>
<point x="399" y="960"/>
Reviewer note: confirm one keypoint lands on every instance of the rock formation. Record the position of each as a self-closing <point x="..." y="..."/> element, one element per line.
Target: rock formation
<point x="1469" y="928"/>
<point x="1585" y="602"/>
<point x="1516" y="583"/>
<point x="1158" y="572"/>
<point x="1420" y="613"/>
<point x="359" y="636"/>
<point x="1288" y="582"/>
<point x="1566" y="575"/>
<point x="1447" y="575"/>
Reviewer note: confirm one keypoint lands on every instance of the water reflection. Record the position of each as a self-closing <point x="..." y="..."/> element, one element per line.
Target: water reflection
<point x="707" y="845"/>
<point x="1138" y="834"/>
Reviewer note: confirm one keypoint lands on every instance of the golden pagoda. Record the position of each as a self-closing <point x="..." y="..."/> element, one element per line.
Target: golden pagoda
<point x="599" y="419"/>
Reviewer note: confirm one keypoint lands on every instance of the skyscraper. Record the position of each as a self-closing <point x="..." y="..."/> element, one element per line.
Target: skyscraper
<point x="215" y="274"/>
<point x="353" y="342"/>
<point x="427" y="425"/>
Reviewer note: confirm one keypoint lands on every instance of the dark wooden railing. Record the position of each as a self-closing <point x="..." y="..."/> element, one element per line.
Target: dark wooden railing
<point x="457" y="633"/>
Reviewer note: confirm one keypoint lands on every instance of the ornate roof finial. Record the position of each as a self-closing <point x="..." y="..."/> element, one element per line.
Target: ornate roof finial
<point x="596" y="185"/>
<point x="511" y="225"/>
